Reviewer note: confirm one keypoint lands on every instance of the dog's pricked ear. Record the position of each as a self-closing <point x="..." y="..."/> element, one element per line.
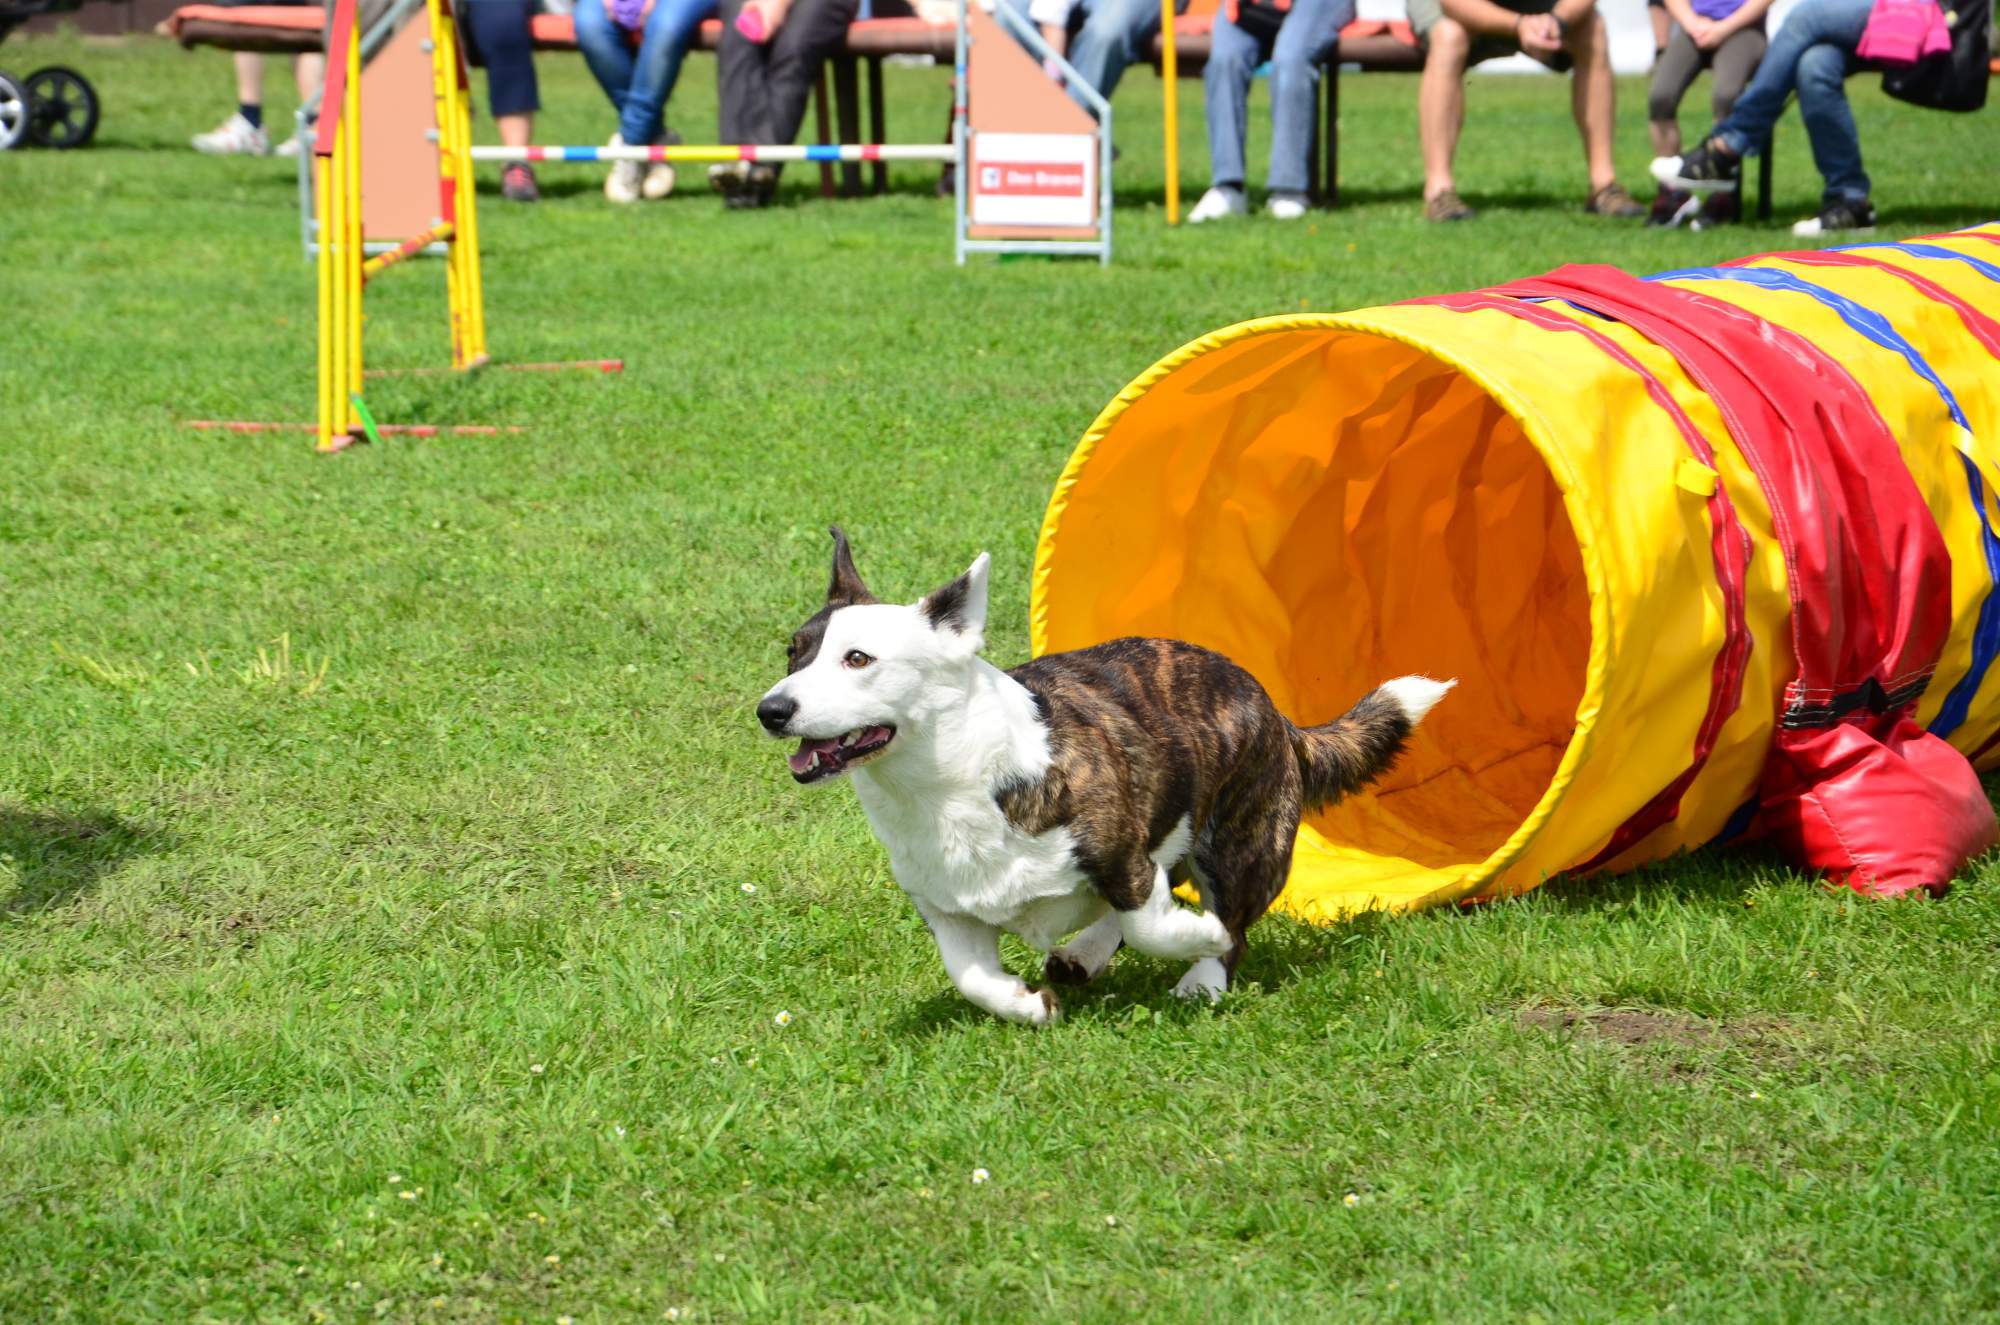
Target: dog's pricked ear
<point x="960" y="605"/>
<point x="846" y="588"/>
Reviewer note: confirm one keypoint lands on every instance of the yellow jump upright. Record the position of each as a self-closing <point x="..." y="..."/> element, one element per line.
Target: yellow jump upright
<point x="343" y="267"/>
<point x="1707" y="553"/>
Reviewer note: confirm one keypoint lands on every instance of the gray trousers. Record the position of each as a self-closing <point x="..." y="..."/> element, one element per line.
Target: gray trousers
<point x="1734" y="62"/>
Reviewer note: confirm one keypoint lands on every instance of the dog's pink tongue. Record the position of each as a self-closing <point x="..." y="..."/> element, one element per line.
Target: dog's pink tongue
<point x="801" y="759"/>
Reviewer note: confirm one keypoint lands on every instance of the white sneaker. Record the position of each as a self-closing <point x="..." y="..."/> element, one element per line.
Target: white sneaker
<point x="624" y="182"/>
<point x="290" y="147"/>
<point x="659" y="180"/>
<point x="1218" y="203"/>
<point x="1285" y="206"/>
<point x="235" y="136"/>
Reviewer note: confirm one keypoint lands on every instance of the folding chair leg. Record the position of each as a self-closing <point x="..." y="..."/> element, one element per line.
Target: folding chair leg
<point x="878" y="120"/>
<point x="1764" y="181"/>
<point x="1330" y="131"/>
<point x="825" y="132"/>
<point x="847" y="118"/>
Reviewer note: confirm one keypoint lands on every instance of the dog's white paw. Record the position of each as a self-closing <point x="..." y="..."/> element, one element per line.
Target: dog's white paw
<point x="1035" y="1007"/>
<point x="1206" y="979"/>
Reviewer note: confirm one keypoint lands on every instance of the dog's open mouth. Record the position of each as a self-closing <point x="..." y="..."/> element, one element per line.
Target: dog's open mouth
<point x="834" y="755"/>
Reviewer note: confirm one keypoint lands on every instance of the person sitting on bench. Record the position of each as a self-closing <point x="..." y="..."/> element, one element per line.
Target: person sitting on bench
<point x="1561" y="34"/>
<point x="639" y="84"/>
<point x="1295" y="36"/>
<point x="243" y="133"/>
<point x="763" y="84"/>
<point x="497" y="36"/>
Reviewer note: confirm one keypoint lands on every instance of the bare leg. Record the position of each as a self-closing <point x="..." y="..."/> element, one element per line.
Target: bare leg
<point x="308" y="71"/>
<point x="249" y="78"/>
<point x="516" y="130"/>
<point x="1592" y="97"/>
<point x="1441" y="103"/>
<point x="1085" y="956"/>
<point x="971" y="952"/>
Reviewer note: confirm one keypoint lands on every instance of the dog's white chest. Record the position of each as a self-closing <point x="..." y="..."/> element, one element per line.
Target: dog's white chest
<point x="955" y="851"/>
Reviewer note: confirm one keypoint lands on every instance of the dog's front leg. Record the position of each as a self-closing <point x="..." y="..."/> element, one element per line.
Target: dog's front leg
<point x="971" y="952"/>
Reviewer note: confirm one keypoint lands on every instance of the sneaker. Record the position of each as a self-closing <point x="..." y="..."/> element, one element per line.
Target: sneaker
<point x="517" y="183"/>
<point x="1612" y="200"/>
<point x="291" y="147"/>
<point x="1285" y="206"/>
<point x="659" y="180"/>
<point x="1217" y="203"/>
<point x="1673" y="207"/>
<point x="1447" y="206"/>
<point x="626" y="177"/>
<point x="743" y="184"/>
<point x="1838" y="217"/>
<point x="1707" y="169"/>
<point x="235" y="136"/>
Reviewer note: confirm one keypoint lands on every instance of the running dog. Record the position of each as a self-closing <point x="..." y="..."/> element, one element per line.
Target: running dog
<point x="1064" y="796"/>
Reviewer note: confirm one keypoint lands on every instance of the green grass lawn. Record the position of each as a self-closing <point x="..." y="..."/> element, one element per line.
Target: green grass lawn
<point x="424" y="966"/>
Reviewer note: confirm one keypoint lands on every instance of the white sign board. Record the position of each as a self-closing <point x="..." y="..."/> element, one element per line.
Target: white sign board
<point x="1034" y="179"/>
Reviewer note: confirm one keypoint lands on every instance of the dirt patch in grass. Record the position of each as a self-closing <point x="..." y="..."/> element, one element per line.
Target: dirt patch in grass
<point x="1770" y="1044"/>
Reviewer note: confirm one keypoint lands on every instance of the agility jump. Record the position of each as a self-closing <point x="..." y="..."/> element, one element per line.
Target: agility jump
<point x="1033" y="175"/>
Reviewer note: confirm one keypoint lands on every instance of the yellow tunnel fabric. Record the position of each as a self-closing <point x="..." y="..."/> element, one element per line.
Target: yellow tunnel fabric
<point x="1336" y="499"/>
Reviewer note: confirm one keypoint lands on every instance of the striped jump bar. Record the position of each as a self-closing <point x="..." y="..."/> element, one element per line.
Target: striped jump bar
<point x="727" y="152"/>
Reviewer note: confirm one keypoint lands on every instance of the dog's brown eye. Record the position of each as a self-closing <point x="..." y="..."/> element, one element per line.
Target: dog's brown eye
<point x="856" y="658"/>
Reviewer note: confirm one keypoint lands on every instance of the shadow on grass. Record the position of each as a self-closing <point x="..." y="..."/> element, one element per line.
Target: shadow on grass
<point x="58" y="856"/>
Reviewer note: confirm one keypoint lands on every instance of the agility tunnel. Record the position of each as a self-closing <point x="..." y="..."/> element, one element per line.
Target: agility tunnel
<point x="1712" y="553"/>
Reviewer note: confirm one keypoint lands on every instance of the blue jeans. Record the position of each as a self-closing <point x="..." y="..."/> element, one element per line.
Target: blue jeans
<point x="1813" y="54"/>
<point x="639" y="86"/>
<point x="1309" y="31"/>
<point x="1114" y="34"/>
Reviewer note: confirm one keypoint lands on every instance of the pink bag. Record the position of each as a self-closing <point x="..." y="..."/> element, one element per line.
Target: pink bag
<point x="1902" y="32"/>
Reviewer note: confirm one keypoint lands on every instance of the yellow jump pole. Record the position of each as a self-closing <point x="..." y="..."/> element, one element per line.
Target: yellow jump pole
<point x="323" y="216"/>
<point x="1170" y="72"/>
<point x="468" y="207"/>
<point x="334" y="241"/>
<point x="351" y="131"/>
<point x="456" y="183"/>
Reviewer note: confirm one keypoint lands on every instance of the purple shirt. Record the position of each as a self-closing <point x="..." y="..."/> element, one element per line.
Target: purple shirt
<point x="1715" y="10"/>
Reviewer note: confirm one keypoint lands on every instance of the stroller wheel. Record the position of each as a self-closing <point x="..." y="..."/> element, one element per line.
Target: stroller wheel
<point x="13" y="112"/>
<point x="62" y="108"/>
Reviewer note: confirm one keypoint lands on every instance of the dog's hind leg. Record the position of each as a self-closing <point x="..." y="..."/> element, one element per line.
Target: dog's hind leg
<point x="1158" y="928"/>
<point x="1240" y="873"/>
<point x="1085" y="956"/>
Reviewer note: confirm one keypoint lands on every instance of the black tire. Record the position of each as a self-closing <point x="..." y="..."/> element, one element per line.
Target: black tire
<point x="14" y="112"/>
<point x="63" y="108"/>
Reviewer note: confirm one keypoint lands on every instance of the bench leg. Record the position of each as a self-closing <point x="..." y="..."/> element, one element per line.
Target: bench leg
<point x="1313" y="147"/>
<point x="847" y="114"/>
<point x="1764" y="181"/>
<point x="825" y="132"/>
<point x="878" y="121"/>
<point x="1329" y="134"/>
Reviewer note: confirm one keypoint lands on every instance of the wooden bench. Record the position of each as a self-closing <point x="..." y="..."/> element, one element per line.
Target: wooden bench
<point x="1370" y="46"/>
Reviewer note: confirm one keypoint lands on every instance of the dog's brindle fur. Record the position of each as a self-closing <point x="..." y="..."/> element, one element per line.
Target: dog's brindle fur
<point x="1146" y="735"/>
<point x="1148" y="732"/>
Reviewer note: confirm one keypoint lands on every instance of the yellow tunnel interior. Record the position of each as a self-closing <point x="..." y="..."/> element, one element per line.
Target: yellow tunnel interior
<point x="1331" y="509"/>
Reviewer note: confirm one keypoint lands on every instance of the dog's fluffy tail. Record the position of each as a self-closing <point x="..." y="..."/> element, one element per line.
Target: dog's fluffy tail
<point x="1360" y="745"/>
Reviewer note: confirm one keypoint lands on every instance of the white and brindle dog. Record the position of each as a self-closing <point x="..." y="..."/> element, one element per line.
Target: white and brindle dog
<point x="1070" y="793"/>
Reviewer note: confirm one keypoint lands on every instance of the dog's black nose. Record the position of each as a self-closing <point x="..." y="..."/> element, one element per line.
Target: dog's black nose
<point x="775" y="711"/>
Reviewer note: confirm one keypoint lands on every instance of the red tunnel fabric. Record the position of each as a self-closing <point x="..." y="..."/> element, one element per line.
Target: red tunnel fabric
<point x="1854" y="787"/>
